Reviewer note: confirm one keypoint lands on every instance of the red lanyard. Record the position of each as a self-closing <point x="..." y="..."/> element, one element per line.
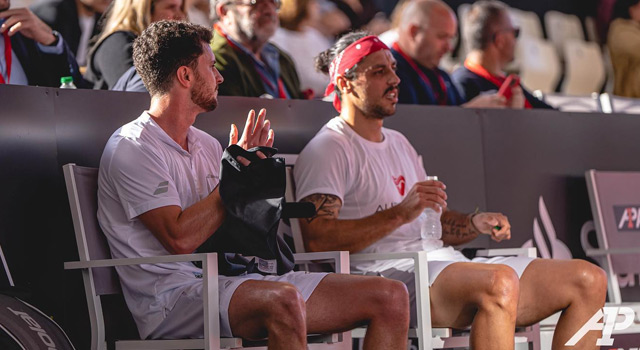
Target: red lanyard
<point x="497" y="81"/>
<point x="441" y="97"/>
<point x="281" y="91"/>
<point x="7" y="57"/>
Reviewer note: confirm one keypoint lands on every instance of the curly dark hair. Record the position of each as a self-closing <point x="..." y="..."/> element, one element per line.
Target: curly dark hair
<point x="164" y="47"/>
<point x="324" y="58"/>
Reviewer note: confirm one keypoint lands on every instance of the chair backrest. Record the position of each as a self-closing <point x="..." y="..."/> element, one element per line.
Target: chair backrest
<point x="584" y="70"/>
<point x="591" y="29"/>
<point x="528" y="22"/>
<point x="82" y="189"/>
<point x="539" y="64"/>
<point x="574" y="103"/>
<point x="615" y="204"/>
<point x="562" y="27"/>
<point x="290" y="196"/>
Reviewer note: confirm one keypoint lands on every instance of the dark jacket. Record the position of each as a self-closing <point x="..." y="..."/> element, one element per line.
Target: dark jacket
<point x="413" y="90"/>
<point x="110" y="59"/>
<point x="240" y="75"/>
<point x="62" y="15"/>
<point x="44" y="69"/>
<point x="471" y="85"/>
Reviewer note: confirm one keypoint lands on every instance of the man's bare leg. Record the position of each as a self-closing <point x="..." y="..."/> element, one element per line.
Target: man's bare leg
<point x="484" y="296"/>
<point x="343" y="302"/>
<point x="577" y="287"/>
<point x="261" y="308"/>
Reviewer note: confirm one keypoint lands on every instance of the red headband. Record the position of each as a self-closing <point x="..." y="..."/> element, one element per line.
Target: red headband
<point x="348" y="58"/>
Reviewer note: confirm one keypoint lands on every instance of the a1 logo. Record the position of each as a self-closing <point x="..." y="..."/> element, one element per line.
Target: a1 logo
<point x="609" y="315"/>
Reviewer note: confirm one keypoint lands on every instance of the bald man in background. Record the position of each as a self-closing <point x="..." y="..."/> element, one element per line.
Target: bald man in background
<point x="425" y="34"/>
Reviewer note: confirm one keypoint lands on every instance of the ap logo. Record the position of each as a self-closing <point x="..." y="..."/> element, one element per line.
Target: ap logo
<point x="628" y="217"/>
<point x="609" y="315"/>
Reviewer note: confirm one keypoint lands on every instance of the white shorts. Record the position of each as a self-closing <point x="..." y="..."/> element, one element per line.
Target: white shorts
<point x="186" y="319"/>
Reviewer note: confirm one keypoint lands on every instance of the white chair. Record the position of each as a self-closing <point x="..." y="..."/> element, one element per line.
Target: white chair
<point x="539" y="64"/>
<point x="566" y="103"/>
<point x="591" y="29"/>
<point x="463" y="11"/>
<point x="584" y="68"/>
<point x="624" y="104"/>
<point x="528" y="22"/>
<point x="562" y="27"/>
<point x="100" y="277"/>
<point x="428" y="337"/>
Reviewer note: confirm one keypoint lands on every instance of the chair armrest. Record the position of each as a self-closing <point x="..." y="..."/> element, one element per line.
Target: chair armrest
<point x="526" y="252"/>
<point x="339" y="258"/>
<point x="613" y="251"/>
<point x="71" y="265"/>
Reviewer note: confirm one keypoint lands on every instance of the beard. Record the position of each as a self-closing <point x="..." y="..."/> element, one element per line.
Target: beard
<point x="201" y="97"/>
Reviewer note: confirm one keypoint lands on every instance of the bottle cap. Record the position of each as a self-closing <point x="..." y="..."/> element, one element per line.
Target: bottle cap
<point x="66" y="80"/>
<point x="432" y="178"/>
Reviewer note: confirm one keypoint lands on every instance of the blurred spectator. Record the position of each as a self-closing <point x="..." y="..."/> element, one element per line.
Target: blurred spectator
<point x="331" y="21"/>
<point x="624" y="46"/>
<point x="492" y="38"/>
<point x="76" y="20"/>
<point x="297" y="37"/>
<point x="425" y="34"/>
<point x="199" y="12"/>
<point x="31" y="53"/>
<point x="250" y="64"/>
<point x="111" y="57"/>
<point x="363" y="14"/>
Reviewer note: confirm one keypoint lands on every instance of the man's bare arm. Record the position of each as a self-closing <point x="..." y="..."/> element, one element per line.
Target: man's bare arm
<point x="324" y="231"/>
<point x="181" y="232"/>
<point x="457" y="228"/>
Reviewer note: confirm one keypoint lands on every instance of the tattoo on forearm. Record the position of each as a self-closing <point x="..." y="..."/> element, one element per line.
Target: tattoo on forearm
<point x="327" y="206"/>
<point x="457" y="225"/>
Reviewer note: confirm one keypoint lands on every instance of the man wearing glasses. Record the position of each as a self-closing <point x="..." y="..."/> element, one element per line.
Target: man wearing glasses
<point x="492" y="39"/>
<point x="425" y="34"/>
<point x="254" y="67"/>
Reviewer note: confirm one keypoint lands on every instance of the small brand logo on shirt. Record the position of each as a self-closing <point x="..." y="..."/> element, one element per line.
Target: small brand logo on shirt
<point x="400" y="183"/>
<point x="162" y="188"/>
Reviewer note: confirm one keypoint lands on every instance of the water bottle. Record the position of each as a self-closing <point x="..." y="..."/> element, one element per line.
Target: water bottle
<point x="431" y="227"/>
<point x="67" y="83"/>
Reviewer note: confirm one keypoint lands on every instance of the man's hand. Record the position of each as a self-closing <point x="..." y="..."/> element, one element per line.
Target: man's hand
<point x="495" y="224"/>
<point x="487" y="101"/>
<point x="517" y="98"/>
<point x="255" y="133"/>
<point x="426" y="194"/>
<point x="28" y="24"/>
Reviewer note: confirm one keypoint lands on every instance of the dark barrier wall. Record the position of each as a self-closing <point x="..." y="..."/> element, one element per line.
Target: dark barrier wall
<point x="524" y="163"/>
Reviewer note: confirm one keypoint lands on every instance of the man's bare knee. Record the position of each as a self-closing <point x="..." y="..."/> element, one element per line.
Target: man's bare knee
<point x="501" y="290"/>
<point x="390" y="301"/>
<point x="589" y="280"/>
<point x="286" y="311"/>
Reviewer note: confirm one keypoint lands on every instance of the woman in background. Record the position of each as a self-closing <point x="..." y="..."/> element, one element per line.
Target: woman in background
<point x="624" y="46"/>
<point x="111" y="56"/>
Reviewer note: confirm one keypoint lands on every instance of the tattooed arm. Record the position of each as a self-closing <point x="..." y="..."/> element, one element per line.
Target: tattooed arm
<point x="458" y="228"/>
<point x="324" y="231"/>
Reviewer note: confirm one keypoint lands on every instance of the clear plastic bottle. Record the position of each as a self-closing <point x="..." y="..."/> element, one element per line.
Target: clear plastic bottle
<point x="431" y="228"/>
<point x="67" y="83"/>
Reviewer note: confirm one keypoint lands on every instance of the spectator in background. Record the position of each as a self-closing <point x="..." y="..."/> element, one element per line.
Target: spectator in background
<point x="76" y="20"/>
<point x="492" y="39"/>
<point x="298" y="38"/>
<point x="363" y="15"/>
<point x="111" y="56"/>
<point x="425" y="34"/>
<point x="391" y="36"/>
<point x="331" y="21"/>
<point x="624" y="46"/>
<point x="31" y="53"/>
<point x="199" y="12"/>
<point x="244" y="56"/>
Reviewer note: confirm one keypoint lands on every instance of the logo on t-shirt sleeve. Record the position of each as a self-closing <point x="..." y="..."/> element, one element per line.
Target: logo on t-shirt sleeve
<point x="400" y="184"/>
<point x="163" y="187"/>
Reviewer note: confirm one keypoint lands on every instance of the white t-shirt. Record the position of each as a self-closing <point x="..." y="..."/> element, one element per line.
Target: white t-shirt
<point x="368" y="177"/>
<point x="141" y="169"/>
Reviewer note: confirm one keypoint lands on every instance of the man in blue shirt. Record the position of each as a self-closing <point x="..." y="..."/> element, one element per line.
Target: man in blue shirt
<point x="425" y="34"/>
<point x="30" y="52"/>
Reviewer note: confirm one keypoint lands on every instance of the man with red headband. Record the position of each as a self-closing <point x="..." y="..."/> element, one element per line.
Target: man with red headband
<point x="426" y="30"/>
<point x="492" y="38"/>
<point x="369" y="188"/>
